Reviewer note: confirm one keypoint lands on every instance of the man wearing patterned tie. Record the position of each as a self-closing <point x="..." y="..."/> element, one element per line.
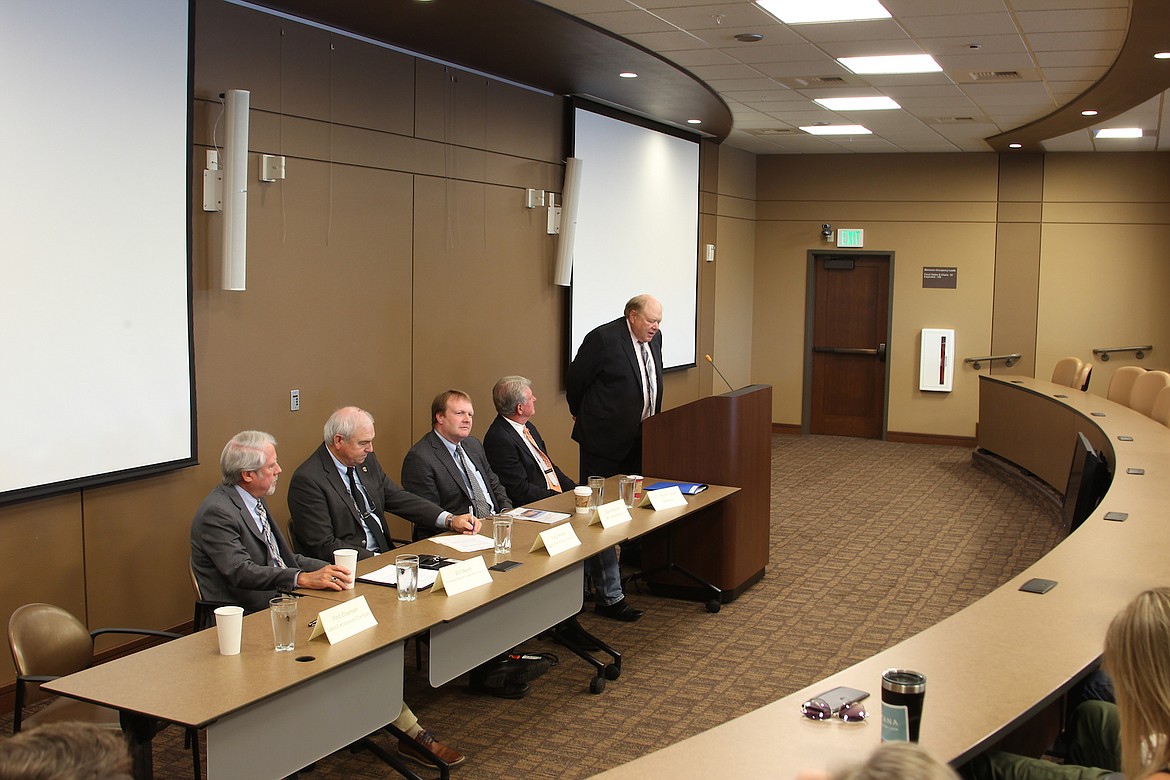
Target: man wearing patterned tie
<point x="239" y="556"/>
<point x="340" y="495"/>
<point x="614" y="383"/>
<point x="519" y="457"/>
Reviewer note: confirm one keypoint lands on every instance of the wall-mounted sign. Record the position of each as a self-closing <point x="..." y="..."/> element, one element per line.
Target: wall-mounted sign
<point x="939" y="277"/>
<point x="851" y="237"/>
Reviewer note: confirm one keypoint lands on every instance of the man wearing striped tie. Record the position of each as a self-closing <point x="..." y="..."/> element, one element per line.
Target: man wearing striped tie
<point x="520" y="459"/>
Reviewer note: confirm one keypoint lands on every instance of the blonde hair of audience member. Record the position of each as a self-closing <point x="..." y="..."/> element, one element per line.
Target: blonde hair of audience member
<point x="1137" y="656"/>
<point x="65" y="751"/>
<point x="891" y="761"/>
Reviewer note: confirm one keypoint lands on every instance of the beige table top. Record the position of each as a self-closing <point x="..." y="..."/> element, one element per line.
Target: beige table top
<point x="993" y="664"/>
<point x="186" y="681"/>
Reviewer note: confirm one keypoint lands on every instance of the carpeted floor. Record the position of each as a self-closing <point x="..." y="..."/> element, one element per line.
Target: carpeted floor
<point x="871" y="543"/>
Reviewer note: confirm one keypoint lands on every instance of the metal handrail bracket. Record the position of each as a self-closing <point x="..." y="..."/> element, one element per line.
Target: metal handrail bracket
<point x="1139" y="352"/>
<point x="1008" y="360"/>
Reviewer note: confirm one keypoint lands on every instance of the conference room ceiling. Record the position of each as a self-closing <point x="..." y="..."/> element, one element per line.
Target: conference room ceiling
<point x="1014" y="71"/>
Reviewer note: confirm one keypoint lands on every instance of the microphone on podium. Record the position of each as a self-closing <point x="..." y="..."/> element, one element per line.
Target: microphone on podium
<point x="717" y="371"/>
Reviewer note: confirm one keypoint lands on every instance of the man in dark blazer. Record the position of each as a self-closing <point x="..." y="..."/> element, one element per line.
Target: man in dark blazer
<point x="240" y="556"/>
<point x="614" y="383"/>
<point x="435" y="469"/>
<point x="326" y="516"/>
<point x="519" y="457"/>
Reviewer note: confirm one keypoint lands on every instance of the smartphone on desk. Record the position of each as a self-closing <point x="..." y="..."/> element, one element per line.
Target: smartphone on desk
<point x="433" y="562"/>
<point x="838" y="697"/>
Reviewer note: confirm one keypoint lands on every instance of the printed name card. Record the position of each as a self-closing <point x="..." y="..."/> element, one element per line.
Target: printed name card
<point x="556" y="539"/>
<point x="666" y="498"/>
<point x="344" y="620"/>
<point x="463" y="576"/>
<point x="611" y="514"/>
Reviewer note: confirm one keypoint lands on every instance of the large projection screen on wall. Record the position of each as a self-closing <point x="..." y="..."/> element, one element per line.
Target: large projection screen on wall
<point x="95" y="312"/>
<point x="637" y="229"/>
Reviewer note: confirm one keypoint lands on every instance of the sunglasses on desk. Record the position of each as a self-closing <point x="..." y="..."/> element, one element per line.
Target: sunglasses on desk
<point x="819" y="709"/>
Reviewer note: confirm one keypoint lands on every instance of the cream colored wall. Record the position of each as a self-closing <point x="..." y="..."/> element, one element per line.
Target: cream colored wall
<point x="734" y="263"/>
<point x="926" y="210"/>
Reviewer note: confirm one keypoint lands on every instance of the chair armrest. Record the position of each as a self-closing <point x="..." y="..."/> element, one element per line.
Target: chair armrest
<point x="36" y="678"/>
<point x="143" y="631"/>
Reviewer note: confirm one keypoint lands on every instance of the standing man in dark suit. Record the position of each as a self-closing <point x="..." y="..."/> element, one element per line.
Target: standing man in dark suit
<point x="448" y="464"/>
<point x="519" y="457"/>
<point x="615" y="383"/>
<point x="240" y="556"/>
<point x="327" y="516"/>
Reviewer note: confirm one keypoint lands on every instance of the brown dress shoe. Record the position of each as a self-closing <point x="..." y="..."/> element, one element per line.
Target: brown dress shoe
<point x="408" y="748"/>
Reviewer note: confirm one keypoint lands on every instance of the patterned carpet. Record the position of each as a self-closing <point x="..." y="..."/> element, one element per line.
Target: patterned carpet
<point x="871" y="542"/>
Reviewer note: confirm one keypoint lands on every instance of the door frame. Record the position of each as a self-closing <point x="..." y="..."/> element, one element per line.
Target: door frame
<point x="809" y="305"/>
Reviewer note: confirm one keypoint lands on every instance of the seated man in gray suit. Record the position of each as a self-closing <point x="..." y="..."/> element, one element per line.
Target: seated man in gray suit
<point x="327" y="515"/>
<point x="240" y="556"/>
<point x="448" y="466"/>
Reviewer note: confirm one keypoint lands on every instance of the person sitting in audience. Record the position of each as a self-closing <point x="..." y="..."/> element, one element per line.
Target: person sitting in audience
<point x="1132" y="735"/>
<point x="240" y="556"/>
<point x="891" y="761"/>
<point x="65" y="751"/>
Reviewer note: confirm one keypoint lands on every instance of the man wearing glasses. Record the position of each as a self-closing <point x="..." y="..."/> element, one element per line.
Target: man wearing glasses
<point x="339" y="496"/>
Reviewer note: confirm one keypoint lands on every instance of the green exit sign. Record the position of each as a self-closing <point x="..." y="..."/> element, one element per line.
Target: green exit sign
<point x="851" y="237"/>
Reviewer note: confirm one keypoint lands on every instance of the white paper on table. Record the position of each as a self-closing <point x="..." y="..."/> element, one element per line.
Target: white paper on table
<point x="465" y="542"/>
<point x="388" y="575"/>
<point x="539" y="515"/>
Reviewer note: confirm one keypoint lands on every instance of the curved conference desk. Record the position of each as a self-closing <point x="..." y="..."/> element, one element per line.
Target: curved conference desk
<point x="993" y="665"/>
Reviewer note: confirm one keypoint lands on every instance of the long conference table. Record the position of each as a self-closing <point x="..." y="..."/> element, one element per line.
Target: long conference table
<point x="268" y="714"/>
<point x="996" y="663"/>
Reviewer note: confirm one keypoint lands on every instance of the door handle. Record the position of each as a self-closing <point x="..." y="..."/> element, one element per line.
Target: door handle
<point x="880" y="351"/>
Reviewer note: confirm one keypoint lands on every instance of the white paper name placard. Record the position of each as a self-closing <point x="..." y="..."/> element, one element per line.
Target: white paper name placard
<point x="666" y="498"/>
<point x="344" y="620"/>
<point x="556" y="539"/>
<point x="463" y="576"/>
<point x="611" y="514"/>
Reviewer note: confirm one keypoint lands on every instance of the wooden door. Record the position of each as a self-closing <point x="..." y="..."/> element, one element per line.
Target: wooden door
<point x="850" y="331"/>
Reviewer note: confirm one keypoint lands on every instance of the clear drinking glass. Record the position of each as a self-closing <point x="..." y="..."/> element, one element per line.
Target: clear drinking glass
<point x="406" y="569"/>
<point x="283" y="610"/>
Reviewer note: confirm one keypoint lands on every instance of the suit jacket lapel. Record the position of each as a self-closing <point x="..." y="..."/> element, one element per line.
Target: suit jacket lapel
<point x="333" y="477"/>
<point x="449" y="463"/>
<point x="246" y="517"/>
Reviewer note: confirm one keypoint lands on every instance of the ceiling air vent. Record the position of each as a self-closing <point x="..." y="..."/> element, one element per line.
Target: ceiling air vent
<point x="995" y="75"/>
<point x="952" y="120"/>
<point x="773" y="131"/>
<point x="820" y="81"/>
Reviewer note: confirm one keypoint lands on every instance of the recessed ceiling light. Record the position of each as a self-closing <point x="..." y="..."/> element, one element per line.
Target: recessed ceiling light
<point x="1118" y="132"/>
<point x="804" y="12"/>
<point x="836" y="130"/>
<point x="749" y="37"/>
<point x="1089" y="112"/>
<point x="1015" y="146"/>
<point x="894" y="63"/>
<point x="694" y="121"/>
<point x="629" y="74"/>
<point x="1162" y="55"/>
<point x="857" y="103"/>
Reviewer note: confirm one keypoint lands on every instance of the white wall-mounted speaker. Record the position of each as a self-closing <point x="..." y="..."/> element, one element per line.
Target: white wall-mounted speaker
<point x="570" y="197"/>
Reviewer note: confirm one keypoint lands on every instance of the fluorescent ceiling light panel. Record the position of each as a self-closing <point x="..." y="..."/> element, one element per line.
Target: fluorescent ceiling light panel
<point x="823" y="11"/>
<point x="894" y="63"/>
<point x="857" y="103"/>
<point x="1119" y="132"/>
<point x="836" y="130"/>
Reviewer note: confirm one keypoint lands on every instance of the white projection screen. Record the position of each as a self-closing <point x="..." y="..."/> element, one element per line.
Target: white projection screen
<point x="637" y="229"/>
<point x="95" y="312"/>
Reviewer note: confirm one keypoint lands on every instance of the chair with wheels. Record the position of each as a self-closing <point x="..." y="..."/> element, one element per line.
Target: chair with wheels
<point x="1122" y="382"/>
<point x="1067" y="371"/>
<point x="1145" y="391"/>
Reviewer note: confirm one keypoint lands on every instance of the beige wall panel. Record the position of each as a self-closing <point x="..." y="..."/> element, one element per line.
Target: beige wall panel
<point x="356" y="146"/>
<point x="850" y="213"/>
<point x="1155" y="213"/>
<point x="778" y="313"/>
<point x="737" y="208"/>
<point x="967" y="309"/>
<point x="1021" y="177"/>
<point x="1107" y="178"/>
<point x="524" y="123"/>
<point x="238" y="48"/>
<point x="451" y="105"/>
<point x="1103" y="286"/>
<point x="359" y="70"/>
<point x="734" y="303"/>
<point x="1017" y="284"/>
<point x="1020" y="212"/>
<point x="737" y="174"/>
<point x="931" y="178"/>
<point x="43" y="541"/>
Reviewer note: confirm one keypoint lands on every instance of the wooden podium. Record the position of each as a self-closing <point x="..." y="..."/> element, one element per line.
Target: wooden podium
<point x="723" y="440"/>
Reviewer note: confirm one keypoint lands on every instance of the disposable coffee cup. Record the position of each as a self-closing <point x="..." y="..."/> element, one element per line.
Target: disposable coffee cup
<point x="502" y="534"/>
<point x="406" y="576"/>
<point x="229" y="625"/>
<point x="581" y="496"/>
<point x="626" y="491"/>
<point x="347" y="559"/>
<point x="283" y="610"/>
<point x="903" y="692"/>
